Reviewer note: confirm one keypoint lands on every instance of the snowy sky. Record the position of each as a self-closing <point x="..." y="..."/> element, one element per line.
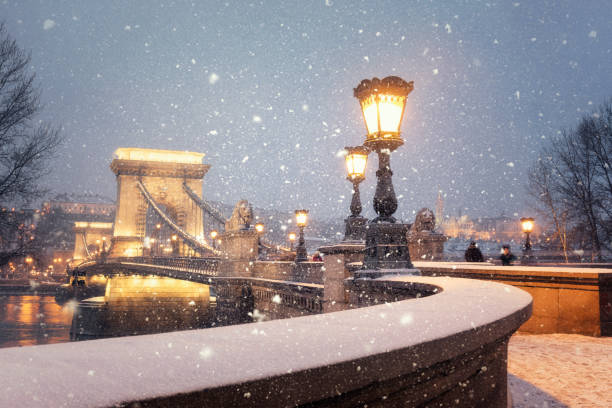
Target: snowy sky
<point x="265" y="90"/>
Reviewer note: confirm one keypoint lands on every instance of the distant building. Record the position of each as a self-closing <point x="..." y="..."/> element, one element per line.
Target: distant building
<point x="81" y="209"/>
<point x="501" y="229"/>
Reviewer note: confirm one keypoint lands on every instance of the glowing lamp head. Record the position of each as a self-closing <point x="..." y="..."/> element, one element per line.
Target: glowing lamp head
<point x="174" y="237"/>
<point x="214" y="234"/>
<point x="292" y="236"/>
<point x="301" y="217"/>
<point x="158" y="226"/>
<point x="382" y="103"/>
<point x="29" y="260"/>
<point x="356" y="160"/>
<point x="527" y="224"/>
<point x="259" y="227"/>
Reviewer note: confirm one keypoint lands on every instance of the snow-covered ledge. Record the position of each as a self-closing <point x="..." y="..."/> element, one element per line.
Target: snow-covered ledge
<point x="450" y="347"/>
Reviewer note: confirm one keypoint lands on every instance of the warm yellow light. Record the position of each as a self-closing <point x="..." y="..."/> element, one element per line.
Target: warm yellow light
<point x="301" y="217"/>
<point x="356" y="161"/>
<point x="259" y="227"/>
<point x="382" y="104"/>
<point x="29" y="260"/>
<point x="292" y="236"/>
<point x="174" y="237"/>
<point x="158" y="226"/>
<point x="370" y="114"/>
<point x="155" y="155"/>
<point x="527" y="224"/>
<point x="213" y="234"/>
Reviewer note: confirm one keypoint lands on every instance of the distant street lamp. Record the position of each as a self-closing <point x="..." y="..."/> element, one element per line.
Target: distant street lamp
<point x="356" y="160"/>
<point x="527" y="225"/>
<point x="301" y="217"/>
<point x="259" y="227"/>
<point x="213" y="238"/>
<point x="383" y="102"/>
<point x="292" y="237"/>
<point x="175" y="244"/>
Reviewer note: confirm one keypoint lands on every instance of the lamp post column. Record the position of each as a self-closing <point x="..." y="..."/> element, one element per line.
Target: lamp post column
<point x="301" y="254"/>
<point x="385" y="201"/>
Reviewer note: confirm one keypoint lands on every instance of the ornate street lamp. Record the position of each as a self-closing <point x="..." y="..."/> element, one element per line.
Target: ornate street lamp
<point x="301" y="217"/>
<point x="383" y="102"/>
<point x="213" y="238"/>
<point x="356" y="161"/>
<point x="527" y="226"/>
<point x="292" y="239"/>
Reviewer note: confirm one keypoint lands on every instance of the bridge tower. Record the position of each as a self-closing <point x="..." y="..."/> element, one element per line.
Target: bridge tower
<point x="163" y="173"/>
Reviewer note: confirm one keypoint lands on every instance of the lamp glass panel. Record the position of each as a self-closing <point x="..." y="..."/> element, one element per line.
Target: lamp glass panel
<point x="301" y="219"/>
<point x="370" y="113"/>
<point x="527" y="226"/>
<point x="356" y="164"/>
<point x="391" y="108"/>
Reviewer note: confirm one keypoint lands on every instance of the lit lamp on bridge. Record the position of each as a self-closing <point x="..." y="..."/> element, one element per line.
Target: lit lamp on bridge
<point x="301" y="218"/>
<point x="383" y="102"/>
<point x="175" y="246"/>
<point x="527" y="225"/>
<point x="213" y="237"/>
<point x="356" y="160"/>
<point x="292" y="237"/>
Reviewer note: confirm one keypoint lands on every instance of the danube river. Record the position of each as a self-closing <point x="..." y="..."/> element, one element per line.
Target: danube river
<point x="27" y="320"/>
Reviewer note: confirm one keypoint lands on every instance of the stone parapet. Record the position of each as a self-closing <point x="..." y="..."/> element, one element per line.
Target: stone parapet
<point x="426" y="245"/>
<point x="447" y="349"/>
<point x="307" y="272"/>
<point x="566" y="300"/>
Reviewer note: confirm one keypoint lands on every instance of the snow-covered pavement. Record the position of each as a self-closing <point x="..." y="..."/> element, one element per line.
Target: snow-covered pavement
<point x="560" y="370"/>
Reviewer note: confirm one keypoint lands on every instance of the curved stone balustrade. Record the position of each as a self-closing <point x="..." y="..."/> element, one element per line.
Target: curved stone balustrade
<point x="449" y="348"/>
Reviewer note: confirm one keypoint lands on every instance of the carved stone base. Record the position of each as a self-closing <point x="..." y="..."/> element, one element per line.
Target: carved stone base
<point x="355" y="228"/>
<point x="240" y="245"/>
<point x="386" y="247"/>
<point x="426" y="245"/>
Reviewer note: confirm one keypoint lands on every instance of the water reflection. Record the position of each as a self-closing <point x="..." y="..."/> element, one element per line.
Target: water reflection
<point x="29" y="320"/>
<point x="144" y="304"/>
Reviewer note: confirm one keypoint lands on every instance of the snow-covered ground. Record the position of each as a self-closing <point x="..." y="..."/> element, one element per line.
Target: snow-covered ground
<point x="559" y="370"/>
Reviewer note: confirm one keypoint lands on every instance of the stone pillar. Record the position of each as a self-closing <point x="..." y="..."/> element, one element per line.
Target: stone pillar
<point x="426" y="245"/>
<point x="337" y="257"/>
<point x="125" y="241"/>
<point x="240" y="250"/>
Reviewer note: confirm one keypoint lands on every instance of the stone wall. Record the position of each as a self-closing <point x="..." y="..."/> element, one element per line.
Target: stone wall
<point x="566" y="300"/>
<point x="441" y="350"/>
<point x="307" y="272"/>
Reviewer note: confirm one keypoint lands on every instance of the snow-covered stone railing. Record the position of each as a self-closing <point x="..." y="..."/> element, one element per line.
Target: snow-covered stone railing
<point x="447" y="348"/>
<point x="565" y="299"/>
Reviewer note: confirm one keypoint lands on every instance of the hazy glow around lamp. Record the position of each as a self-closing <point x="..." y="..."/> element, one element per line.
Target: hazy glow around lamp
<point x="383" y="102"/>
<point x="527" y="224"/>
<point x="356" y="161"/>
<point x="301" y="218"/>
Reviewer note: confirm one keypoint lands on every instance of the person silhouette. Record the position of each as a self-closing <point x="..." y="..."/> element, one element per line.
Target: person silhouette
<point x="507" y="257"/>
<point x="473" y="254"/>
